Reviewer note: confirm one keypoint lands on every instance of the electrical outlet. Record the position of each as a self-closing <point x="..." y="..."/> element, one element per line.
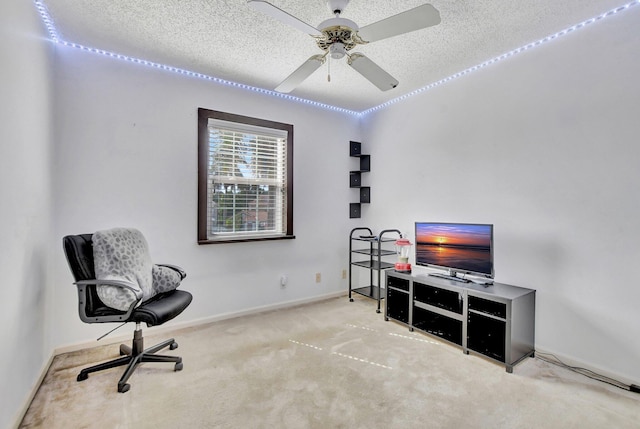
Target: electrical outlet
<point x="318" y="278"/>
<point x="344" y="274"/>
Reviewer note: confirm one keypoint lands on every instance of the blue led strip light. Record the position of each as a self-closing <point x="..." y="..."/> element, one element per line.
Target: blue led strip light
<point x="46" y="19"/>
<point x="55" y="37"/>
<point x="504" y="56"/>
<point x="207" y="77"/>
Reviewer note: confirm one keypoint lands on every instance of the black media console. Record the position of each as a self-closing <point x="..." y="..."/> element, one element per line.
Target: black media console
<point x="496" y="320"/>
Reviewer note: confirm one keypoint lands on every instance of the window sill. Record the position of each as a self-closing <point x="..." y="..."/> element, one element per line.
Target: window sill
<point x="245" y="239"/>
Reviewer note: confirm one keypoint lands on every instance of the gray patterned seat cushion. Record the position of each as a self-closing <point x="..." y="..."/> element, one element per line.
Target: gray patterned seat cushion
<point x="123" y="254"/>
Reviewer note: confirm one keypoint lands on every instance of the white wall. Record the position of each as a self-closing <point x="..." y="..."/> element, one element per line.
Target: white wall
<point x="126" y="155"/>
<point x="545" y="147"/>
<point x="25" y="202"/>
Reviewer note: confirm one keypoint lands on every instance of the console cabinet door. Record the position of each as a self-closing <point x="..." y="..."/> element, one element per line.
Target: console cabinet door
<point x="487" y="335"/>
<point x="447" y="328"/>
<point x="398" y="305"/>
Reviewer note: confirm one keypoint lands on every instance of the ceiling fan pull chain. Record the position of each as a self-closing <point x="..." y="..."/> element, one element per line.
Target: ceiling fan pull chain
<point x="329" y="69"/>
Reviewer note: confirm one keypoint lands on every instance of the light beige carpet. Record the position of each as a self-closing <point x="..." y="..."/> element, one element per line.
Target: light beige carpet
<point x="332" y="364"/>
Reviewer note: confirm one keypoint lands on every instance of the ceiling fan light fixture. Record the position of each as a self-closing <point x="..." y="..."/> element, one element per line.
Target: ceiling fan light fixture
<point x="337" y="51"/>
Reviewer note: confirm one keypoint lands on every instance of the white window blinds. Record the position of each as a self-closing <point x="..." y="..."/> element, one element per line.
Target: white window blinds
<point x="246" y="181"/>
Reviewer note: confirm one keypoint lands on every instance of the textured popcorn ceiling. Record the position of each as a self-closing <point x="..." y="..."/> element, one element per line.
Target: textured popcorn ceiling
<point x="229" y="40"/>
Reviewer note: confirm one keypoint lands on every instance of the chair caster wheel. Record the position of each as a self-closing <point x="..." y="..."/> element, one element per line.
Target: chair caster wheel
<point x="350" y="299"/>
<point x="122" y="388"/>
<point x="173" y="346"/>
<point x="378" y="311"/>
<point x="82" y="376"/>
<point x="178" y="367"/>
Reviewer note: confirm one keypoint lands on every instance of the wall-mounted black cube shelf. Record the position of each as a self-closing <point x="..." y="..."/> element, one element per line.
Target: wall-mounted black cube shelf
<point x="354" y="210"/>
<point x="355" y="148"/>
<point x="365" y="194"/>
<point x="355" y="178"/>
<point x="365" y="163"/>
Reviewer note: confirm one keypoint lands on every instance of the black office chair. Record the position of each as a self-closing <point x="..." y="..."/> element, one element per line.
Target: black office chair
<point x="156" y="311"/>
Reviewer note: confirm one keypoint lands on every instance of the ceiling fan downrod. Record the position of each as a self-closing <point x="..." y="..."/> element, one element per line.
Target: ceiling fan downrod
<point x="337" y="6"/>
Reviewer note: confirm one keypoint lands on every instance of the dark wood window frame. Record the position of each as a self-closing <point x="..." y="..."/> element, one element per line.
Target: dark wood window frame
<point x="203" y="154"/>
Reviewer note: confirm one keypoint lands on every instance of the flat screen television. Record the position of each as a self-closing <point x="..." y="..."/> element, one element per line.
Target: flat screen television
<point x="459" y="248"/>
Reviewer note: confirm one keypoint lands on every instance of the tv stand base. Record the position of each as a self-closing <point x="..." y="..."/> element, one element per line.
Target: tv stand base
<point x="496" y="320"/>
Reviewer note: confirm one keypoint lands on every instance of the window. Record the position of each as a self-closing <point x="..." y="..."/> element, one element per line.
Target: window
<point x="245" y="178"/>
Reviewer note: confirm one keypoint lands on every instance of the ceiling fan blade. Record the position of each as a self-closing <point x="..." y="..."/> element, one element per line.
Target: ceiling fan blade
<point x="301" y="73"/>
<point x="411" y="20"/>
<point x="284" y="17"/>
<point x="372" y="72"/>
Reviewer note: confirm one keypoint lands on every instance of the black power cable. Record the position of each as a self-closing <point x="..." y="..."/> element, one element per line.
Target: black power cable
<point x="554" y="360"/>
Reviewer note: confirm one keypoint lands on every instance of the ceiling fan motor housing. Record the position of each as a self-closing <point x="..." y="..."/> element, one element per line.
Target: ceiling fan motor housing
<point x="343" y="35"/>
<point x="339" y="31"/>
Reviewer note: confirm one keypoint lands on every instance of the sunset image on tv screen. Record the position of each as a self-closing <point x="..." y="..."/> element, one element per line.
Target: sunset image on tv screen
<point x="465" y="247"/>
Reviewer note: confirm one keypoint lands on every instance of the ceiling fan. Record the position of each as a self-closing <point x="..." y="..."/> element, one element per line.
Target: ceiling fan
<point x="338" y="36"/>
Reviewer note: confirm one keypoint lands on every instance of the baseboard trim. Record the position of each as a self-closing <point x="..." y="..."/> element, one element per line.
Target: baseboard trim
<point x="251" y="311"/>
<point x="19" y="416"/>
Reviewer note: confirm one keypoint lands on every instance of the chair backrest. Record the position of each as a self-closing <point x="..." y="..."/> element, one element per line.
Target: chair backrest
<point x="79" y="252"/>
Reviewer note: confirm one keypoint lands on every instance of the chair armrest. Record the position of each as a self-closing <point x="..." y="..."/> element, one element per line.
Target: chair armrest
<point x="121" y="283"/>
<point x="115" y="315"/>
<point x="176" y="268"/>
